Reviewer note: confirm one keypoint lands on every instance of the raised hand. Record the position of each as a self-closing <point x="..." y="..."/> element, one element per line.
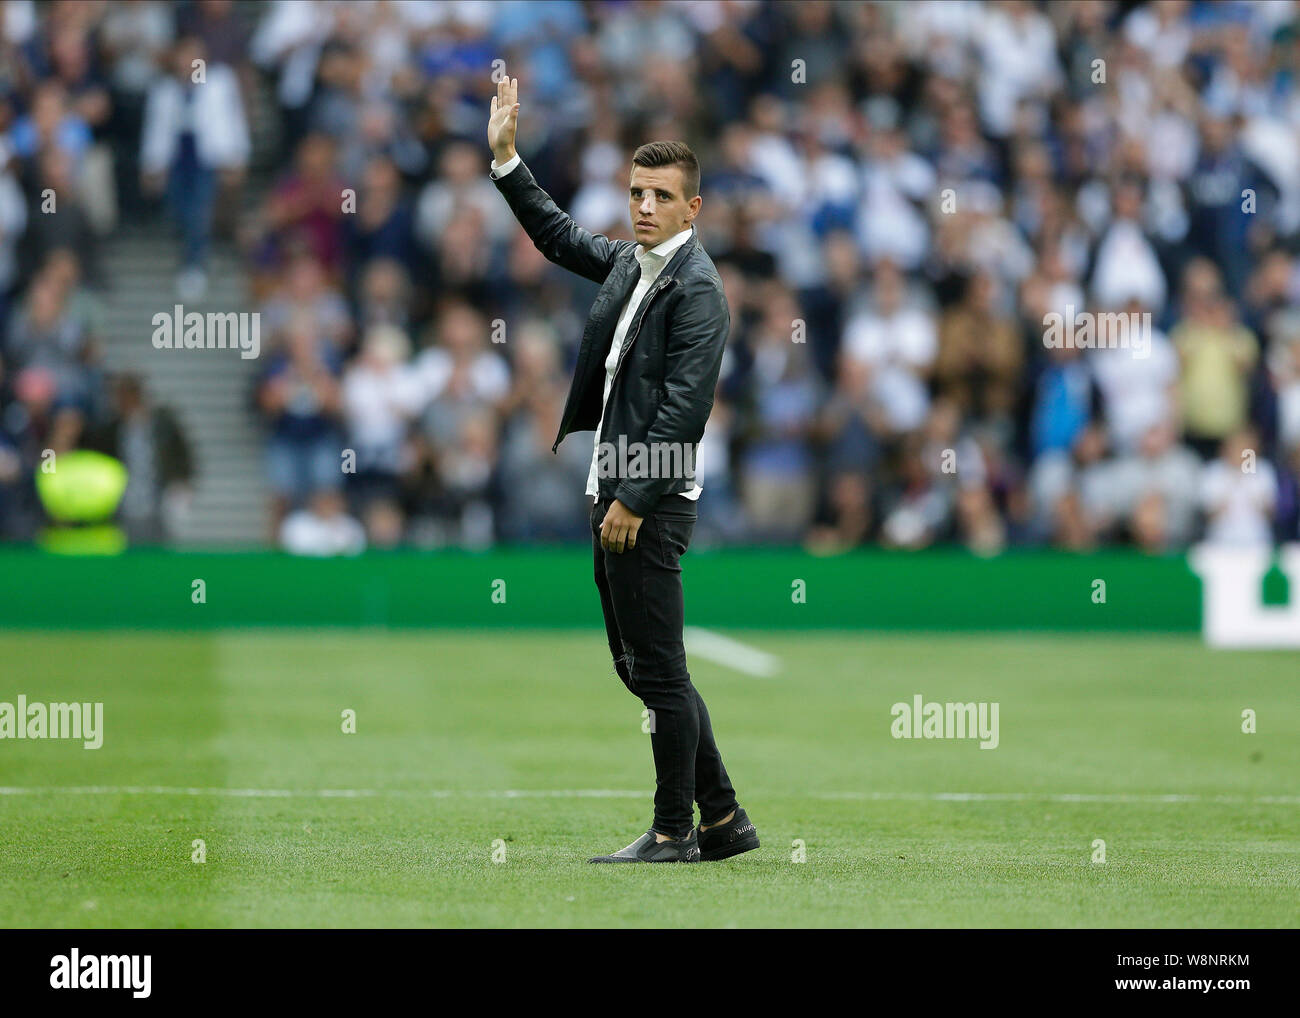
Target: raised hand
<point x="503" y="119"/>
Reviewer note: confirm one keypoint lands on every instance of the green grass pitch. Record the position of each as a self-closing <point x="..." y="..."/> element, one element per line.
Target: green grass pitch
<point x="236" y="739"/>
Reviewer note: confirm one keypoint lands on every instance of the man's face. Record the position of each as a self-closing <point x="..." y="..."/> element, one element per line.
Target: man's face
<point x="658" y="204"/>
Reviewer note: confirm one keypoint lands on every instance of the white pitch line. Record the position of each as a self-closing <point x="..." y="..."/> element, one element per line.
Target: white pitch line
<point x="618" y="793"/>
<point x="325" y="793"/>
<point x="731" y="653"/>
<point x="1062" y="797"/>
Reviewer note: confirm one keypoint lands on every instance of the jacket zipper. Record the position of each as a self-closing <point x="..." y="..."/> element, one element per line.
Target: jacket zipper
<point x="659" y="285"/>
<point x="655" y="290"/>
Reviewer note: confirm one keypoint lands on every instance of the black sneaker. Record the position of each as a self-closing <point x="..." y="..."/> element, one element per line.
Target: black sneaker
<point x="735" y="836"/>
<point x="647" y="849"/>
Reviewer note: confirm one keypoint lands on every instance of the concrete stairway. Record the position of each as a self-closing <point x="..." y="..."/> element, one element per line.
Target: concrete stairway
<point x="211" y="390"/>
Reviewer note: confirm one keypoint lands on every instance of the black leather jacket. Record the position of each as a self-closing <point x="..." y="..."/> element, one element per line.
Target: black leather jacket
<point x="668" y="368"/>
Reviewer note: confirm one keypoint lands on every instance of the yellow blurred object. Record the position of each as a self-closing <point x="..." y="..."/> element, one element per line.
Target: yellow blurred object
<point x="81" y="486"/>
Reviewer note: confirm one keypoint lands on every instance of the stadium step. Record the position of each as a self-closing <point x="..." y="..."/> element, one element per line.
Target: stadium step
<point x="210" y="390"/>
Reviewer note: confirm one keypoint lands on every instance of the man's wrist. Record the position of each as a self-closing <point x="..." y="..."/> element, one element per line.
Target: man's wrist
<point x="501" y="158"/>
<point x="633" y="502"/>
<point x="503" y="167"/>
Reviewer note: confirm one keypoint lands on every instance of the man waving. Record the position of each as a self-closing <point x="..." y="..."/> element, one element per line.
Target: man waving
<point x="644" y="382"/>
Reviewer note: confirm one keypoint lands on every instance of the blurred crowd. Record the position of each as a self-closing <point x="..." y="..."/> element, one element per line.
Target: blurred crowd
<point x="897" y="197"/>
<point x="76" y="79"/>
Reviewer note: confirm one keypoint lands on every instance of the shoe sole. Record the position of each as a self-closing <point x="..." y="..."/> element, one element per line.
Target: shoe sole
<point x="745" y="844"/>
<point x="606" y="859"/>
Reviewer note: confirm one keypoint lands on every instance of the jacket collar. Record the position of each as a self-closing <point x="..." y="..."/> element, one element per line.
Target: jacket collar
<point x="669" y="247"/>
<point x="679" y="253"/>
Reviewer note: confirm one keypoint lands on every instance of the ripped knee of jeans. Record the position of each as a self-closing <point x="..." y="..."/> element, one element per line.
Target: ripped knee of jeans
<point x="623" y="666"/>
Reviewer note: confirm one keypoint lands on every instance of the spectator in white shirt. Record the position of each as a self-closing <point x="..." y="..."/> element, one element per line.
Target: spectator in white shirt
<point x="1126" y="265"/>
<point x="1138" y="392"/>
<point x="1153" y="491"/>
<point x="894" y="183"/>
<point x="1017" y="48"/>
<point x="897" y="344"/>
<point x="322" y="528"/>
<point x="459" y="184"/>
<point x="1237" y="499"/>
<point x="195" y="134"/>
<point x="1162" y="31"/>
<point x="381" y="395"/>
<point x="459" y="375"/>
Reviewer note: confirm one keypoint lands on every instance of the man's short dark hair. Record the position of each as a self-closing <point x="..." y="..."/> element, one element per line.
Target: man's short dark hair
<point x="654" y="154"/>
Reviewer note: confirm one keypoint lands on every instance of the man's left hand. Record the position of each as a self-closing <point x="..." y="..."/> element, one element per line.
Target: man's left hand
<point x="619" y="527"/>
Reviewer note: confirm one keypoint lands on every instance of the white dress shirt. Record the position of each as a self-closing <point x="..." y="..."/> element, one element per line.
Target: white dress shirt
<point x="652" y="262"/>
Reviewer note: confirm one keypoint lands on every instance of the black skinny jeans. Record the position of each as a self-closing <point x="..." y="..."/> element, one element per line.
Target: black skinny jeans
<point x="641" y="598"/>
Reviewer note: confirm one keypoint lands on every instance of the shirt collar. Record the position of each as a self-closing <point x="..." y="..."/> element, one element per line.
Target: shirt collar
<point x="664" y="251"/>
